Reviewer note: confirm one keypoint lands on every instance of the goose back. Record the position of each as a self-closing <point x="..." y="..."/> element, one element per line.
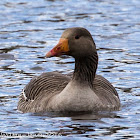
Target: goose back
<point x="37" y="93"/>
<point x="40" y="90"/>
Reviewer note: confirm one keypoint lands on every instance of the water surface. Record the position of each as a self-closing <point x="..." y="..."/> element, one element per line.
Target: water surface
<point x="28" y="29"/>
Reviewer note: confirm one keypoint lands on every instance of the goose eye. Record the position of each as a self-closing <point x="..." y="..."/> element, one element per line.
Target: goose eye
<point x="77" y="37"/>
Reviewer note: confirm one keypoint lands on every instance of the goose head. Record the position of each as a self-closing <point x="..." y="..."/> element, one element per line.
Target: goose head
<point x="76" y="42"/>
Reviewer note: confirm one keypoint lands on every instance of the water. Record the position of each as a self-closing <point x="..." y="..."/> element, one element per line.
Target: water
<point x="28" y="29"/>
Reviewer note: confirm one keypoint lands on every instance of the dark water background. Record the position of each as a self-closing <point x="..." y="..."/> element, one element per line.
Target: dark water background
<point x="28" y="29"/>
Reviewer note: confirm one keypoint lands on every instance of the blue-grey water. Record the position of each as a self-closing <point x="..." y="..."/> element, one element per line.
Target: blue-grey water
<point x="29" y="28"/>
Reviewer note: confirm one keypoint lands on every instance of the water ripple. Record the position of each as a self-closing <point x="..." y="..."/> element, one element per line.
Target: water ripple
<point x="29" y="29"/>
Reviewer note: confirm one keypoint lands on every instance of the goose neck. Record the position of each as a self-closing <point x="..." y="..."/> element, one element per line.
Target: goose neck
<point x="85" y="69"/>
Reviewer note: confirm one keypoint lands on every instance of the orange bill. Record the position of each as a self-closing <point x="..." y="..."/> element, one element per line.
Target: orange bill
<point x="61" y="48"/>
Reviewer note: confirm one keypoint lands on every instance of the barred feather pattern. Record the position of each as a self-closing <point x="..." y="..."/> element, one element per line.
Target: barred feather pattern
<point x="38" y="92"/>
<point x="41" y="89"/>
<point x="107" y="93"/>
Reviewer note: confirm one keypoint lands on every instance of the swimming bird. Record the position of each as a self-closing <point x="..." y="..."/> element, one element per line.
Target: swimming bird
<point x="83" y="91"/>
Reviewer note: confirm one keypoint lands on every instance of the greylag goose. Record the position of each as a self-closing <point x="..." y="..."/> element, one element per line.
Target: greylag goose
<point x="85" y="91"/>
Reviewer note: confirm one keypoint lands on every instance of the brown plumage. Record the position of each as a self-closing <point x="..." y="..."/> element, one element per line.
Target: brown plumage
<point x="82" y="91"/>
